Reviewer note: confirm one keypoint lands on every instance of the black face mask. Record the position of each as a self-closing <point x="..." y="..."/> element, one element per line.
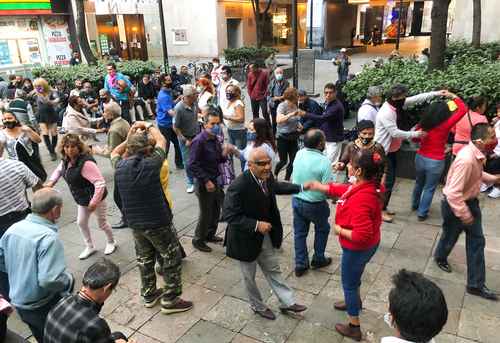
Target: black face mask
<point x="230" y="96"/>
<point x="397" y="103"/>
<point x="366" y="141"/>
<point x="10" y="124"/>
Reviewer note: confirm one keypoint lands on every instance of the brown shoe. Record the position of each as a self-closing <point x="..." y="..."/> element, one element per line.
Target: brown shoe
<point x="347" y="330"/>
<point x="341" y="305"/>
<point x="386" y="217"/>
<point x="176" y="306"/>
<point x="267" y="313"/>
<point x="295" y="308"/>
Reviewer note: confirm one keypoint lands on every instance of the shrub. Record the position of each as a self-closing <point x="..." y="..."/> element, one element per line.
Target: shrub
<point x="469" y="72"/>
<point x="247" y="54"/>
<point x="95" y="74"/>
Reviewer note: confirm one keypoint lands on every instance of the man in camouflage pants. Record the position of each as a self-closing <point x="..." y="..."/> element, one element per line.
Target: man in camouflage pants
<point x="148" y="214"/>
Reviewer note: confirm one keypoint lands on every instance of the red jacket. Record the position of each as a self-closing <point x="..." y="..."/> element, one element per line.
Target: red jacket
<point x="359" y="209"/>
<point x="257" y="84"/>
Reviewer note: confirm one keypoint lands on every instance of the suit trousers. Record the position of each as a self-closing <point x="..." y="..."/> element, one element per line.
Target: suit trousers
<point x="210" y="204"/>
<point x="269" y="264"/>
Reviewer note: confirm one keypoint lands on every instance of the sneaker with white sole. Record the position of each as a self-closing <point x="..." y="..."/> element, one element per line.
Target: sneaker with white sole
<point x="86" y="253"/>
<point x="153" y="298"/>
<point x="110" y="248"/>
<point x="495" y="193"/>
<point x="484" y="187"/>
<point x="190" y="189"/>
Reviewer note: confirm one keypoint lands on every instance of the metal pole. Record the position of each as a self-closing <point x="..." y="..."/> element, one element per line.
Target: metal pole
<point x="163" y="36"/>
<point x="295" y="43"/>
<point x="311" y="24"/>
<point x="398" y="38"/>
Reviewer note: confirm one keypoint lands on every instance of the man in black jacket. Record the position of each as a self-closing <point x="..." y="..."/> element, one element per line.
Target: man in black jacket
<point x="254" y="230"/>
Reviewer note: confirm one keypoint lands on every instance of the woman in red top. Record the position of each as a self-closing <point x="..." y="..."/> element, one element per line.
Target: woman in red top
<point x="357" y="223"/>
<point x="438" y="120"/>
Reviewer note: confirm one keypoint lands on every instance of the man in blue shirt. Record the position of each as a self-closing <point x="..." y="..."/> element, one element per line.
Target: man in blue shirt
<point x="112" y="86"/>
<point x="311" y="164"/>
<point x="33" y="243"/>
<point x="164" y="117"/>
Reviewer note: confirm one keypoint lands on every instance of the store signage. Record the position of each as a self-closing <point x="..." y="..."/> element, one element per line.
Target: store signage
<point x="123" y="6"/>
<point x="26" y="7"/>
<point x="56" y="33"/>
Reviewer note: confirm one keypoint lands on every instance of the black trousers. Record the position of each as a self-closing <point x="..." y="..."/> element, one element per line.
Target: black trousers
<point x="262" y="104"/>
<point x="125" y="106"/>
<point x="10" y="218"/>
<point x="210" y="204"/>
<point x="170" y="136"/>
<point x="492" y="166"/>
<point x="35" y="318"/>
<point x="287" y="149"/>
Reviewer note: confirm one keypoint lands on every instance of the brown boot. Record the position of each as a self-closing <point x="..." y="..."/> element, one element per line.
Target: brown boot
<point x="341" y="305"/>
<point x="350" y="331"/>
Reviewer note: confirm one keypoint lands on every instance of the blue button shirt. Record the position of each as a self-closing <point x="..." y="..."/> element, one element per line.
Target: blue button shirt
<point x="164" y="104"/>
<point x="311" y="165"/>
<point x="33" y="257"/>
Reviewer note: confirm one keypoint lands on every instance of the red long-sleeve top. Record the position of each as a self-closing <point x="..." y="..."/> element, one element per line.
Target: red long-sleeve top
<point x="433" y="145"/>
<point x="257" y="84"/>
<point x="359" y="209"/>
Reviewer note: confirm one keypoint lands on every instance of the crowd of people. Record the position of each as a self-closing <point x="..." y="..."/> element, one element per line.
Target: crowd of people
<point x="205" y="121"/>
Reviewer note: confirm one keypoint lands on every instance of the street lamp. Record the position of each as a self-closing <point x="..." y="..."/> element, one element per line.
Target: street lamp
<point x="163" y="36"/>
<point x="295" y="44"/>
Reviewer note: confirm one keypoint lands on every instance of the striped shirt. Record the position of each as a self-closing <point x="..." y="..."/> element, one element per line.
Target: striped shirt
<point x="16" y="177"/>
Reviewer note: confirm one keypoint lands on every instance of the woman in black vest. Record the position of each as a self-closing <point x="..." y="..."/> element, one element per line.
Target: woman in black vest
<point x="88" y="188"/>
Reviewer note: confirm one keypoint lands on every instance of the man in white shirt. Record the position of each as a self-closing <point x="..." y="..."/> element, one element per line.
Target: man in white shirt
<point x="417" y="309"/>
<point x="390" y="136"/>
<point x="369" y="108"/>
<point x="226" y="79"/>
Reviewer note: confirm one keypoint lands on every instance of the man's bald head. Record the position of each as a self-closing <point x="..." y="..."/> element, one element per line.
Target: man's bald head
<point x="260" y="163"/>
<point x="314" y="139"/>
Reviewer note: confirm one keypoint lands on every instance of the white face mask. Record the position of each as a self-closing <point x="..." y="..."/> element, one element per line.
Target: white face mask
<point x="352" y="179"/>
<point x="389" y="320"/>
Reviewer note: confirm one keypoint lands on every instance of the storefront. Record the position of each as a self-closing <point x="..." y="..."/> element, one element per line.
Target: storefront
<point x="31" y="34"/>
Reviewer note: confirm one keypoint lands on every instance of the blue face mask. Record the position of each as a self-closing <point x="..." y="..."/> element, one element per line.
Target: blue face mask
<point x="216" y="130"/>
<point x="251" y="136"/>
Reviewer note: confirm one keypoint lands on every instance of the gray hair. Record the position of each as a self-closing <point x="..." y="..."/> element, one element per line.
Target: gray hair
<point x="100" y="274"/>
<point x="374" y="91"/>
<point x="45" y="200"/>
<point x="103" y="91"/>
<point x="137" y="143"/>
<point x="20" y="93"/>
<point x="113" y="108"/>
<point x="188" y="90"/>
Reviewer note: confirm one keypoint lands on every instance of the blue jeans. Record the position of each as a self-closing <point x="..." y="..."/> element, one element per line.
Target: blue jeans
<point x="239" y="139"/>
<point x="428" y="174"/>
<point x="185" y="160"/>
<point x="474" y="241"/>
<point x="303" y="214"/>
<point x="352" y="268"/>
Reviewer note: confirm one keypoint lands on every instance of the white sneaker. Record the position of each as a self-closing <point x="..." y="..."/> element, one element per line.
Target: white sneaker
<point x="190" y="189"/>
<point x="484" y="187"/>
<point x="110" y="248"/>
<point x="495" y="193"/>
<point x="86" y="253"/>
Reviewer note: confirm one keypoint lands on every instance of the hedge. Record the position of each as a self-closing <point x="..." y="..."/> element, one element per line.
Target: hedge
<point x="247" y="54"/>
<point x="135" y="69"/>
<point x="468" y="72"/>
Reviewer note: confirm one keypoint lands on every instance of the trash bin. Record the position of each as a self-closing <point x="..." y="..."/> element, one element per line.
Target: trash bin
<point x="406" y="160"/>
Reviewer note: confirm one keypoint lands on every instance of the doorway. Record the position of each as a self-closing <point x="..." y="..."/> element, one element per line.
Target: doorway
<point x="234" y="33"/>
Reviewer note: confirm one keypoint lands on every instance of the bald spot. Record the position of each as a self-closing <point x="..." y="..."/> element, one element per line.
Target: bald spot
<point x="258" y="154"/>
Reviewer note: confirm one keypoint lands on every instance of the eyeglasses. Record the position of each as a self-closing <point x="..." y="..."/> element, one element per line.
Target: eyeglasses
<point x="262" y="163"/>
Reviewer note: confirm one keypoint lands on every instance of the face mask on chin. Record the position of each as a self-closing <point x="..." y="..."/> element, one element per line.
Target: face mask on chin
<point x="366" y="141"/>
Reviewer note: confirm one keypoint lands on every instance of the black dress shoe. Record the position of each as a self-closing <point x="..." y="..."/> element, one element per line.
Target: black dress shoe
<point x="295" y="308"/>
<point x="325" y="262"/>
<point x="443" y="265"/>
<point x="483" y="292"/>
<point x="422" y="218"/>
<point x="215" y="239"/>
<point x="202" y="246"/>
<point x="120" y="225"/>
<point x="267" y="313"/>
<point x="300" y="271"/>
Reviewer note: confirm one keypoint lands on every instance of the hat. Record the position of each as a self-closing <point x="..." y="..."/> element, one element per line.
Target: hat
<point x="188" y="90"/>
<point x="302" y="92"/>
<point x="374" y="91"/>
<point x="343" y="50"/>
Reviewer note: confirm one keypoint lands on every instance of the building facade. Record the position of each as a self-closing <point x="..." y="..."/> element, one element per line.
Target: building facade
<point x="462" y="26"/>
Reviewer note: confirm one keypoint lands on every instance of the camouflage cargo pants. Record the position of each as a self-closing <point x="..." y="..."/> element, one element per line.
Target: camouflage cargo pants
<point x="162" y="244"/>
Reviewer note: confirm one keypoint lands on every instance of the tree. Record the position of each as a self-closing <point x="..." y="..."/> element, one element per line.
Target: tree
<point x="83" y="40"/>
<point x="259" y="19"/>
<point x="439" y="16"/>
<point x="476" y="23"/>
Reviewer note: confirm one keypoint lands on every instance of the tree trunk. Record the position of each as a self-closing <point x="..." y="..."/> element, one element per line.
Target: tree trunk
<point x="259" y="31"/>
<point x="439" y="16"/>
<point x="259" y="20"/>
<point x="83" y="40"/>
<point x="476" y="24"/>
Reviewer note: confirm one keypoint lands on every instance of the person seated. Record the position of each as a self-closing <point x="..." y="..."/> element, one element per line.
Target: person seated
<point x="417" y="309"/>
<point x="76" y="317"/>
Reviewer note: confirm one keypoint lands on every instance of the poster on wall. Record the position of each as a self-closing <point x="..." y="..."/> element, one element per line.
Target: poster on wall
<point x="4" y="53"/>
<point x="56" y="34"/>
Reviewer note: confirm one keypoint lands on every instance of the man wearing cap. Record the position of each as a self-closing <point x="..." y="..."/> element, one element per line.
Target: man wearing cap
<point x="369" y="108"/>
<point x="186" y="127"/>
<point x="342" y="61"/>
